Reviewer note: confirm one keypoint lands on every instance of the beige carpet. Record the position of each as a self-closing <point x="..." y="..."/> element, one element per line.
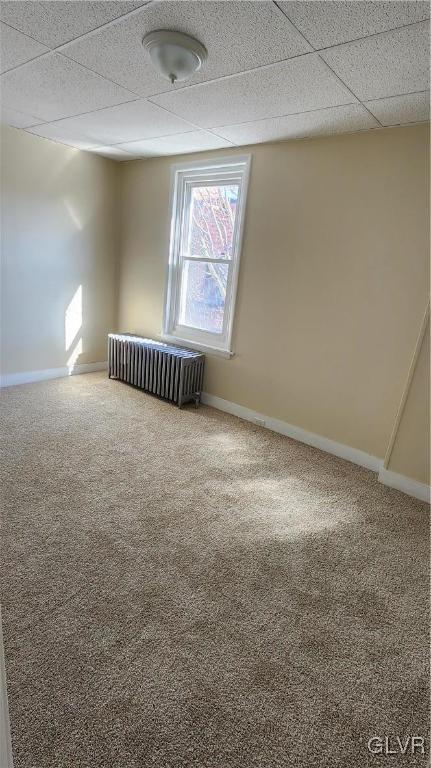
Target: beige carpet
<point x="181" y="588"/>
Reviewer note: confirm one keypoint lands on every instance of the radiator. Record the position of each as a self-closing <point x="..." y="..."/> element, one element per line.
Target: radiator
<point x="170" y="372"/>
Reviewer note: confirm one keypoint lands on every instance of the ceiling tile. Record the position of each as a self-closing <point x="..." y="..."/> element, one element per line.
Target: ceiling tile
<point x="330" y="23"/>
<point x="16" y="48"/>
<point x="293" y="86"/>
<point x="410" y="108"/>
<point x="385" y="65"/>
<point x="238" y="36"/>
<point x="54" y="87"/>
<point x="114" y="153"/>
<point x="126" y="122"/>
<point x="54" y="23"/>
<point x="17" y="119"/>
<point x="351" y="117"/>
<point x="194" y="141"/>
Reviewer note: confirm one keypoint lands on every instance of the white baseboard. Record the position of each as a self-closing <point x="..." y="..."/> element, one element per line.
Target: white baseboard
<point x="405" y="484"/>
<point x="317" y="441"/>
<point x="27" y="377"/>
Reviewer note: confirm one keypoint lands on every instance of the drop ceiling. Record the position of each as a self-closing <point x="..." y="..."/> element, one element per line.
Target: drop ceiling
<point x="76" y="72"/>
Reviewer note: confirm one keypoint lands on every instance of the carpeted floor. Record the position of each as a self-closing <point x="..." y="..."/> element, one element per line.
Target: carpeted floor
<point x="181" y="588"/>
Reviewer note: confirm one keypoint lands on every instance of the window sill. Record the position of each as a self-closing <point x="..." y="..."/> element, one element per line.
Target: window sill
<point x="199" y="347"/>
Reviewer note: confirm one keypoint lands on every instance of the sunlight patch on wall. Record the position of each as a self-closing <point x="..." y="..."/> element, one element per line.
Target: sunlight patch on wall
<point x="73" y="214"/>
<point x="73" y="318"/>
<point x="74" y="356"/>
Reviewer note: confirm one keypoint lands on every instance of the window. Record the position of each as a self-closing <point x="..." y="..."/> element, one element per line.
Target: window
<point x="208" y="206"/>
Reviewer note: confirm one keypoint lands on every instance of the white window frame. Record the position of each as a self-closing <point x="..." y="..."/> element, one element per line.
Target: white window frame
<point x="184" y="176"/>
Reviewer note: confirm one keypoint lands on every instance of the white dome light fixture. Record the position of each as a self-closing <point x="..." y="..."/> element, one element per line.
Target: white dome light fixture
<point x="175" y="55"/>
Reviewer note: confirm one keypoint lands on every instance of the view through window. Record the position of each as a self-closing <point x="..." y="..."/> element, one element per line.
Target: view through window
<point x="204" y="283"/>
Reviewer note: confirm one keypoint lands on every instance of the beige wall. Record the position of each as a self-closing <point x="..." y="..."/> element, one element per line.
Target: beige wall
<point x="411" y="451"/>
<point x="58" y="232"/>
<point x="333" y="278"/>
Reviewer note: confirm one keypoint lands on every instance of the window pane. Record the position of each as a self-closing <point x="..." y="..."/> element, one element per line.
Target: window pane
<point x="212" y="219"/>
<point x="203" y="294"/>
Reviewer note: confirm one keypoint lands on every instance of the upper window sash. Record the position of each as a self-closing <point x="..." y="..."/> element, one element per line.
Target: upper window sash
<point x="184" y="250"/>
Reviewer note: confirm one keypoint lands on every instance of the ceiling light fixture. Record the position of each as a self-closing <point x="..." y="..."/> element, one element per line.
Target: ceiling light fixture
<point x="176" y="56"/>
